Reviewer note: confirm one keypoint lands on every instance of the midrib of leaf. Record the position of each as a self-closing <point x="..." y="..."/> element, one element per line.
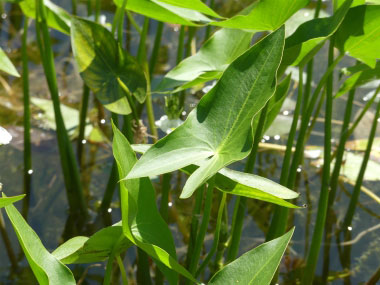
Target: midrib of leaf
<point x="268" y="261"/>
<point x="365" y="38"/>
<point x="224" y="141"/>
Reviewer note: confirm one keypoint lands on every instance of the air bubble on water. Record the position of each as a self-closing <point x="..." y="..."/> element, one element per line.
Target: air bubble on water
<point x="299" y="169"/>
<point x="263" y="141"/>
<point x="349" y="228"/>
<point x="267" y="138"/>
<point x="276" y="137"/>
<point x="3" y="16"/>
<point x="84" y="141"/>
<point x="170" y="204"/>
<point x="184" y="113"/>
<point x="285" y="113"/>
<point x="30" y="171"/>
<point x="109" y="210"/>
<point x="304" y="206"/>
<point x="306" y="14"/>
<point x="102" y="121"/>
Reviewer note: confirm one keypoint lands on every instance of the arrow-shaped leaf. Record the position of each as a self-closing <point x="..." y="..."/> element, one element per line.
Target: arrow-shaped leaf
<point x="5" y="201"/>
<point x="105" y="67"/>
<point x="6" y="65"/>
<point x="218" y="131"/>
<point x="257" y="266"/>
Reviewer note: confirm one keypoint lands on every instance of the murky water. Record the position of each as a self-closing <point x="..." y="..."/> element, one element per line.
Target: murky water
<point x="47" y="210"/>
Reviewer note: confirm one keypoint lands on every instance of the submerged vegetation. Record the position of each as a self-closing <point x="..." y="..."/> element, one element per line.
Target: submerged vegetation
<point x="248" y="87"/>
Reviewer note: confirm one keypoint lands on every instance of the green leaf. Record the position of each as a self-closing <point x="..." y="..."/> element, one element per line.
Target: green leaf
<point x="196" y="5"/>
<point x="142" y="223"/>
<point x="213" y="57"/>
<point x="243" y="184"/>
<point x="165" y="12"/>
<point x="47" y="269"/>
<point x="105" y="66"/>
<point x="56" y="17"/>
<point x="359" y="34"/>
<point x="360" y="74"/>
<point x="218" y="131"/>
<point x="265" y="15"/>
<point x="5" y="201"/>
<point x="6" y="65"/>
<point x="94" y="249"/>
<point x="305" y="42"/>
<point x="257" y="266"/>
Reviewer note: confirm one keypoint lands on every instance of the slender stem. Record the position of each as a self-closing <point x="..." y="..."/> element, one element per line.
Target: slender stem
<point x="143" y="275"/>
<point x="203" y="228"/>
<point x="181" y="43"/>
<point x="7" y="242"/>
<point x="133" y="22"/>
<point x="359" y="181"/>
<point x="315" y="116"/>
<point x="82" y="122"/>
<point x="279" y="220"/>
<point x="74" y="7"/>
<point x="27" y="142"/>
<point x="124" y="277"/>
<point x="164" y="208"/>
<point x="69" y="166"/>
<point x="141" y="53"/>
<point x="324" y="194"/>
<point x="216" y="236"/>
<point x="241" y="202"/>
<point x="374" y="278"/>
<point x="150" y="112"/>
<point x="194" y="224"/>
<point x="208" y="28"/>
<point x="97" y="10"/>
<point x="156" y="49"/>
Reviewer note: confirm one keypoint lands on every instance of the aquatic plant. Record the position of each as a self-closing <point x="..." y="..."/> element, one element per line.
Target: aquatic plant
<point x="243" y="62"/>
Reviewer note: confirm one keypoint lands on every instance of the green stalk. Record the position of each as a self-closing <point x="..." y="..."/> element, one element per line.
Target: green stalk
<point x="324" y="194"/>
<point x="241" y="202"/>
<point x="156" y="49"/>
<point x="124" y="277"/>
<point x="97" y="10"/>
<point x="196" y="253"/>
<point x="359" y="181"/>
<point x="133" y="22"/>
<point x="335" y="180"/>
<point x="181" y="43"/>
<point x="143" y="275"/>
<point x="82" y="122"/>
<point x="194" y="224"/>
<point x="74" y="7"/>
<point x="216" y="236"/>
<point x="315" y="116"/>
<point x="208" y="28"/>
<point x="141" y="53"/>
<point x="69" y="166"/>
<point x="27" y="143"/>
<point x="374" y="278"/>
<point x="280" y="216"/>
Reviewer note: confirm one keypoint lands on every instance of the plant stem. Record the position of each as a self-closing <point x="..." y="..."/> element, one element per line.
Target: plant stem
<point x="156" y="49"/>
<point x="203" y="228"/>
<point x="216" y="236"/>
<point x="143" y="275"/>
<point x="124" y="277"/>
<point x="27" y="143"/>
<point x="82" y="122"/>
<point x="241" y="202"/>
<point x="74" y="7"/>
<point x="194" y="224"/>
<point x="279" y="222"/>
<point x="97" y="10"/>
<point x="359" y="181"/>
<point x="324" y="194"/>
<point x="208" y="28"/>
<point x="69" y="166"/>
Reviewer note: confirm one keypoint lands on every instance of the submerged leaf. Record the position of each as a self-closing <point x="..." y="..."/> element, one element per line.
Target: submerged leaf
<point x="94" y="249"/>
<point x="257" y="266"/>
<point x="218" y="131"/>
<point x="6" y="65"/>
<point x="359" y="34"/>
<point x="105" y="67"/>
<point x="47" y="269"/>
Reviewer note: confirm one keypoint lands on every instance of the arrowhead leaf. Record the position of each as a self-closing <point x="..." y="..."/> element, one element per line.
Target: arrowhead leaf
<point x="6" y="65"/>
<point x="218" y="131"/>
<point x="104" y="66"/>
